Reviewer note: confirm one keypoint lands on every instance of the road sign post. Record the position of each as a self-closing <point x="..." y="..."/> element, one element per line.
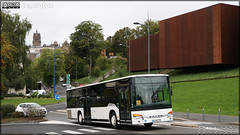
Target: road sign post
<point x="57" y="97"/>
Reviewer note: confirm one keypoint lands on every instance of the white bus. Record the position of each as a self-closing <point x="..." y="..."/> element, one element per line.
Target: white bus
<point x="137" y="99"/>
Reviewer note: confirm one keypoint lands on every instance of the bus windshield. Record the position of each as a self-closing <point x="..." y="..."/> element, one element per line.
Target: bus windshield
<point x="151" y="92"/>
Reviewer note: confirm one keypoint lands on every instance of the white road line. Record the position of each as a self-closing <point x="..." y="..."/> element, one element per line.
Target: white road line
<point x="89" y="130"/>
<point x="57" y="122"/>
<point x="71" y="132"/>
<point x="51" y="133"/>
<point x="105" y="129"/>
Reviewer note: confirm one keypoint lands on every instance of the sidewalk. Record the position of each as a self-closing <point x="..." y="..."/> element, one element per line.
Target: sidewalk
<point x="207" y="117"/>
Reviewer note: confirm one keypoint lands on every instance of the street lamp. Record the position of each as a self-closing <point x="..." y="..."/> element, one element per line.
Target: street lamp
<point x="147" y="26"/>
<point x="54" y="74"/>
<point x="129" y="65"/>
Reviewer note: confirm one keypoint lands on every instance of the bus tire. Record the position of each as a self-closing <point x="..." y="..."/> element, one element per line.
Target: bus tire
<point x="80" y="118"/>
<point x="113" y="120"/>
<point x="148" y="125"/>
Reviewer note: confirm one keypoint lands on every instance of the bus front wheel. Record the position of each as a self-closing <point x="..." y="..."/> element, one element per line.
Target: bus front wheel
<point x="80" y="118"/>
<point x="113" y="120"/>
<point x="148" y="125"/>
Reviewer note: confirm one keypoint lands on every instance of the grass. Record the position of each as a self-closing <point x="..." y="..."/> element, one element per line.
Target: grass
<point x="203" y="73"/>
<point x="210" y="95"/>
<point x="40" y="101"/>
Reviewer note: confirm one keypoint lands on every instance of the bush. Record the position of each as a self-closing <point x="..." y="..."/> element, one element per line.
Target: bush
<point x="7" y="108"/>
<point x="15" y="115"/>
<point x="96" y="71"/>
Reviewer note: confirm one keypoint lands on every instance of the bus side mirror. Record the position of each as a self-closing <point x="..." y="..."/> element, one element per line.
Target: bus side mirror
<point x="171" y="90"/>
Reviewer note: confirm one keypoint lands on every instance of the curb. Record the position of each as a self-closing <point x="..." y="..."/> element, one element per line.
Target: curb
<point x="184" y="124"/>
<point x="178" y="118"/>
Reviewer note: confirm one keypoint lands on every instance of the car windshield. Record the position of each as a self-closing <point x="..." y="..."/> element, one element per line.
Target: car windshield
<point x="31" y="105"/>
<point x="151" y="92"/>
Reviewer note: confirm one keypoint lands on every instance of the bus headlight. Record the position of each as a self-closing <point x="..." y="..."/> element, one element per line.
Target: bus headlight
<point x="138" y="116"/>
<point x="169" y="115"/>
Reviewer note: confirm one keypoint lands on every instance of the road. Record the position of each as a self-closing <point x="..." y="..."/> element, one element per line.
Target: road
<point x="58" y="124"/>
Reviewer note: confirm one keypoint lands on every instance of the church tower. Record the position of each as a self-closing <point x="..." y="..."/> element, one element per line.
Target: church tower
<point x="36" y="39"/>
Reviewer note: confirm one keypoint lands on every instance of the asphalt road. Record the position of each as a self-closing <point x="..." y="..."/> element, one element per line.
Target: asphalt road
<point x="58" y="124"/>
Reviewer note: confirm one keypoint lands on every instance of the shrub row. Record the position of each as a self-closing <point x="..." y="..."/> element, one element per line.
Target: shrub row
<point x="6" y="109"/>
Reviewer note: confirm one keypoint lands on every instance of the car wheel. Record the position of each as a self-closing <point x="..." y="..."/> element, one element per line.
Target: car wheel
<point x="80" y="118"/>
<point x="113" y="120"/>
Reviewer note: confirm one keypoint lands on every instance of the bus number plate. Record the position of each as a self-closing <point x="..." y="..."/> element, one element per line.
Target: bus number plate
<point x="157" y="121"/>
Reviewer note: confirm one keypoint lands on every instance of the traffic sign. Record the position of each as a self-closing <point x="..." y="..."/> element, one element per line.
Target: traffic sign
<point x="57" y="97"/>
<point x="68" y="79"/>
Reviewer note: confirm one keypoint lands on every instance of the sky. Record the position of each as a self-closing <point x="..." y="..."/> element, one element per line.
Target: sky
<point x="56" y="20"/>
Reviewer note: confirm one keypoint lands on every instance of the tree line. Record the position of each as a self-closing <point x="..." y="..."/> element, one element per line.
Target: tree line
<point x="83" y="58"/>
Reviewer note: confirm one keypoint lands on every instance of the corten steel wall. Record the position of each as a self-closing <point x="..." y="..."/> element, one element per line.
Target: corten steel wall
<point x="139" y="53"/>
<point x="203" y="37"/>
<point x="230" y="34"/>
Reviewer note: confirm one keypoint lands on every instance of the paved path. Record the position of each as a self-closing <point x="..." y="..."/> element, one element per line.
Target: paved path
<point x="207" y="117"/>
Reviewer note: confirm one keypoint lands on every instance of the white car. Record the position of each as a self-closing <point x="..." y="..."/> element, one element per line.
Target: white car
<point x="31" y="109"/>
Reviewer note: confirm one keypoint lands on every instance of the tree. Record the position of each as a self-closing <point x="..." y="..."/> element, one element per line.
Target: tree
<point x="7" y="51"/>
<point x="87" y="41"/>
<point x="141" y="31"/>
<point x="15" y="31"/>
<point x="121" y="37"/>
<point x="45" y="66"/>
<point x="74" y="66"/>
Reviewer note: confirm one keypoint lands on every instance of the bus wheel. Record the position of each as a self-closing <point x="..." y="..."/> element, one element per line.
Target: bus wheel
<point x="113" y="120"/>
<point x="80" y="119"/>
<point x="148" y="125"/>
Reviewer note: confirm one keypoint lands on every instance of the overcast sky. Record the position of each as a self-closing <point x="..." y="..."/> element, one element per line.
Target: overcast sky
<point x="56" y="20"/>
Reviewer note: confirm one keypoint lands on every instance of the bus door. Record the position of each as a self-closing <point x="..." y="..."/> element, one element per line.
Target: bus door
<point x="124" y="104"/>
<point x="87" y="105"/>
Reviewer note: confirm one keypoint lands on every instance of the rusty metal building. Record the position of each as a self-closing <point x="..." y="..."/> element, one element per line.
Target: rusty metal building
<point x="203" y="37"/>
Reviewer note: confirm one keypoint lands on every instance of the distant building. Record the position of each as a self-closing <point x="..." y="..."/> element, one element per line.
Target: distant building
<point x="36" y="39"/>
<point x="36" y="49"/>
<point x="65" y="47"/>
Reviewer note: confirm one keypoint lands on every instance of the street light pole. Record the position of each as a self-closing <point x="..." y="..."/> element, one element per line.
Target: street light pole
<point x="148" y="29"/>
<point x="54" y="74"/>
<point x="148" y="46"/>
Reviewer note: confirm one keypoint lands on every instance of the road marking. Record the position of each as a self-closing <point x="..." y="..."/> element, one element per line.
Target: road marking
<point x="71" y="132"/>
<point x="89" y="130"/>
<point x="105" y="129"/>
<point x="51" y="133"/>
<point x="57" y="122"/>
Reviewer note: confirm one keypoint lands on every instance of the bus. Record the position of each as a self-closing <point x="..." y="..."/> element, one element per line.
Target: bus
<point x="136" y="100"/>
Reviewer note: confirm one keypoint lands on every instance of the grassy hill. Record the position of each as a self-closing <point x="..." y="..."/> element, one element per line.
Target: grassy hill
<point x="193" y="90"/>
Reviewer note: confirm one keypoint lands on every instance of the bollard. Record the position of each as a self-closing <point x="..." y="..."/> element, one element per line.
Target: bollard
<point x="219" y="115"/>
<point x="187" y="114"/>
<point x="203" y="114"/>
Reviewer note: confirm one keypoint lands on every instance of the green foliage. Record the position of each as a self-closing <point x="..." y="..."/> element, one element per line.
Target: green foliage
<point x="74" y="66"/>
<point x="120" y="37"/>
<point x="96" y="71"/>
<point x="102" y="62"/>
<point x="45" y="66"/>
<point x="141" y="31"/>
<point x="15" y="31"/>
<point x="7" y="108"/>
<point x="87" y="39"/>
<point x="86" y="70"/>
<point x="15" y="115"/>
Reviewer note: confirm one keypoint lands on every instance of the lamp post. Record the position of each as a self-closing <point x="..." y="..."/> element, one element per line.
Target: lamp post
<point x="147" y="26"/>
<point x="54" y="74"/>
<point x="129" y="64"/>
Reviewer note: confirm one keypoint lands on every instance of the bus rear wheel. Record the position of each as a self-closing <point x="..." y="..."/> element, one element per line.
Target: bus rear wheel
<point x="80" y="118"/>
<point x="113" y="120"/>
<point x="148" y="125"/>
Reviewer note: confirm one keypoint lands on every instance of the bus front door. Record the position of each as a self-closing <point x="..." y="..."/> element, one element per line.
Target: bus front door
<point x="87" y="106"/>
<point x="124" y="107"/>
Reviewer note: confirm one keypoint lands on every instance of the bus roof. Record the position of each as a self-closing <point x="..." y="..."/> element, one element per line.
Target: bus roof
<point x="131" y="76"/>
